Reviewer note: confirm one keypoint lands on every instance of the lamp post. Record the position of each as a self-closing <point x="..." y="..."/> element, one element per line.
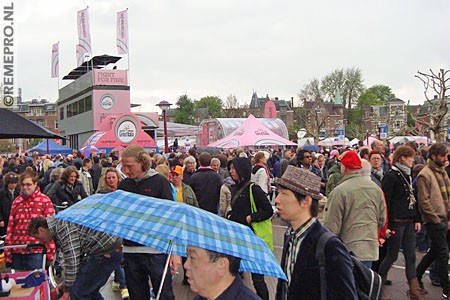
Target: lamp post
<point x="165" y="105"/>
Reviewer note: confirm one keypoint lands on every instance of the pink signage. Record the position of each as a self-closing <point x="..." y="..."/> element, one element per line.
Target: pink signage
<point x="270" y="110"/>
<point x="110" y="77"/>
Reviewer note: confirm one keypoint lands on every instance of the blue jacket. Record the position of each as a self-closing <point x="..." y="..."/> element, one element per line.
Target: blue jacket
<point x="305" y="280"/>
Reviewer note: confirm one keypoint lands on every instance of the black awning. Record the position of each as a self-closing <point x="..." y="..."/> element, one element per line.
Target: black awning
<point x="16" y="126"/>
<point x="97" y="62"/>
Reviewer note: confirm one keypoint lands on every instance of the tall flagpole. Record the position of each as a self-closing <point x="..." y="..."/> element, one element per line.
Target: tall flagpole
<point x="122" y="39"/>
<point x="58" y="71"/>
<point x="128" y="56"/>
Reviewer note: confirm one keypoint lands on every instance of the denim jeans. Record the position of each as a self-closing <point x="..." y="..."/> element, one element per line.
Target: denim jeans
<point x="93" y="274"/>
<point x="27" y="262"/>
<point x="138" y="267"/>
<point x="119" y="274"/>
<point x="422" y="240"/>
<point x="438" y="252"/>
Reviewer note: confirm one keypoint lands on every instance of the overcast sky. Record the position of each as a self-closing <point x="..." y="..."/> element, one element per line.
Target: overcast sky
<point x="218" y="48"/>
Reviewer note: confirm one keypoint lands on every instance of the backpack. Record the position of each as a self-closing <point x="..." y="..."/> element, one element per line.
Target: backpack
<point x="367" y="282"/>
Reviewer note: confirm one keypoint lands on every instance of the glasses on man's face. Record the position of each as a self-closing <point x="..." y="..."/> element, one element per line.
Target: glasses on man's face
<point x="306" y="157"/>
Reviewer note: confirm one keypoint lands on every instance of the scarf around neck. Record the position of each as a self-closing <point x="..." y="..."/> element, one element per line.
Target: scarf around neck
<point x="442" y="179"/>
<point x="405" y="169"/>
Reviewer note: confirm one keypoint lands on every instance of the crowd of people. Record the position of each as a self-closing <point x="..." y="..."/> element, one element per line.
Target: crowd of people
<point x="377" y="202"/>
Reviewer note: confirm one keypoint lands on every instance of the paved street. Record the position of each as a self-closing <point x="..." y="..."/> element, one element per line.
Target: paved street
<point x="397" y="275"/>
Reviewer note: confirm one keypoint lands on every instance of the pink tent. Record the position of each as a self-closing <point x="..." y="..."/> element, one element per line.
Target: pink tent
<point x="251" y="133"/>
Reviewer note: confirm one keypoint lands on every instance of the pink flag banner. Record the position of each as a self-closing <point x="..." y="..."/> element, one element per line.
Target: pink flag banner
<point x="122" y="32"/>
<point x="80" y="54"/>
<point x="55" y="60"/>
<point x="84" y="34"/>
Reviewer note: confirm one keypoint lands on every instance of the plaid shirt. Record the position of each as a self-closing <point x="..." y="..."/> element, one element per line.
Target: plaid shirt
<point x="22" y="211"/>
<point x="76" y="242"/>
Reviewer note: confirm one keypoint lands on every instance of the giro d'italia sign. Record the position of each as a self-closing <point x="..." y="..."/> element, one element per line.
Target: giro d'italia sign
<point x="126" y="132"/>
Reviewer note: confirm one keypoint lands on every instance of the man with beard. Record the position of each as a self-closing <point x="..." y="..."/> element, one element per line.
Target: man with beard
<point x="433" y="186"/>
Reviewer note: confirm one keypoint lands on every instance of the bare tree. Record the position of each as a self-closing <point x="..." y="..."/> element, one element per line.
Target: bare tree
<point x="232" y="102"/>
<point x="435" y="108"/>
<point x="310" y="91"/>
<point x="313" y="117"/>
<point x="233" y="109"/>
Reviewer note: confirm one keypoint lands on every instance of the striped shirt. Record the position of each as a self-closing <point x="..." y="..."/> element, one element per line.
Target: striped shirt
<point x="295" y="240"/>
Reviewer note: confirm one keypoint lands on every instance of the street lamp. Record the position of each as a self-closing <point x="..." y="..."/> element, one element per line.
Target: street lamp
<point x="165" y="105"/>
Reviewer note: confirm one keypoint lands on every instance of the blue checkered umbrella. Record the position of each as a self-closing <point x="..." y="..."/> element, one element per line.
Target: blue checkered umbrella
<point x="166" y="225"/>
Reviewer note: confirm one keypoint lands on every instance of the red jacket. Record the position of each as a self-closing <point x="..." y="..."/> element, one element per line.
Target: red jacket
<point x="22" y="211"/>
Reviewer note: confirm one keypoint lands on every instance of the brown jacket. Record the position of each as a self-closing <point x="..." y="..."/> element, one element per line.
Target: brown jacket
<point x="432" y="206"/>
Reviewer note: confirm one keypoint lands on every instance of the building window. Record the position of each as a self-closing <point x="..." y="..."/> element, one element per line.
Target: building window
<point x="88" y="103"/>
<point x="41" y="123"/>
<point x="79" y="107"/>
<point x="73" y="138"/>
<point x="70" y="110"/>
<point x="61" y="113"/>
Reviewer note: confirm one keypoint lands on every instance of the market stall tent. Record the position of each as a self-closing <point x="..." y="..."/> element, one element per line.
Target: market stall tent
<point x="50" y="147"/>
<point x="122" y="131"/>
<point x="251" y="133"/>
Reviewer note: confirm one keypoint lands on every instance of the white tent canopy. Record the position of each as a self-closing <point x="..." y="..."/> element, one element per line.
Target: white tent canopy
<point x="334" y="141"/>
<point x="405" y="139"/>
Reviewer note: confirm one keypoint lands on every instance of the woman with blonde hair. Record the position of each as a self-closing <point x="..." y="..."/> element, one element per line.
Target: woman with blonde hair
<point x="110" y="181"/>
<point x="108" y="184"/>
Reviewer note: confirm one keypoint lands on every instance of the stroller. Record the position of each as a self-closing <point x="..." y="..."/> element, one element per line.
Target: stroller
<point x="30" y="284"/>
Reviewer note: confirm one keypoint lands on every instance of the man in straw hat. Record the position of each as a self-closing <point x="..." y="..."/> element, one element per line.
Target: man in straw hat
<point x="355" y="210"/>
<point x="297" y="203"/>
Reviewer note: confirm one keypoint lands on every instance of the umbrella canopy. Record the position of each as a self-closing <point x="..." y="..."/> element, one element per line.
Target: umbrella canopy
<point x="89" y="149"/>
<point x="164" y="224"/>
<point x="210" y="150"/>
<point x="311" y="148"/>
<point x="16" y="126"/>
<point x="252" y="133"/>
<point x="53" y="148"/>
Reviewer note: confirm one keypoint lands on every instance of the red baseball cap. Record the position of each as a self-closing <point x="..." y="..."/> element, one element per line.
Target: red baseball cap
<point x="350" y="159"/>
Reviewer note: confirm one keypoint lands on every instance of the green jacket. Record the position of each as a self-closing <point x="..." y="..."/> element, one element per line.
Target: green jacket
<point x="189" y="195"/>
<point x="333" y="178"/>
<point x="355" y="211"/>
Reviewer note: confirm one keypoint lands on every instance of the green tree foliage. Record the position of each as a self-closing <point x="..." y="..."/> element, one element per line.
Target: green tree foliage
<point x="382" y="92"/>
<point x="348" y="81"/>
<point x="185" y="110"/>
<point x="368" y="98"/>
<point x="213" y="103"/>
<point x="353" y="86"/>
<point x="331" y="82"/>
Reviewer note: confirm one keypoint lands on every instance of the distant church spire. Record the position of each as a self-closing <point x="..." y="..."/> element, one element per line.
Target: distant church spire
<point x="337" y="99"/>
